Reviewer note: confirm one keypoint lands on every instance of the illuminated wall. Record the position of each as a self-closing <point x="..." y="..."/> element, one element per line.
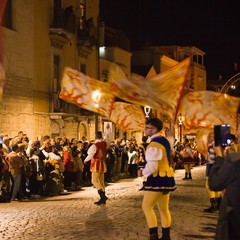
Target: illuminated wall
<point x="29" y="50"/>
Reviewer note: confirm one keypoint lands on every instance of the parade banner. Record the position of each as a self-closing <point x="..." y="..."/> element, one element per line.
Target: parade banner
<point x="128" y="117"/>
<point x="161" y="92"/>
<point x="79" y="89"/>
<point x="204" y="109"/>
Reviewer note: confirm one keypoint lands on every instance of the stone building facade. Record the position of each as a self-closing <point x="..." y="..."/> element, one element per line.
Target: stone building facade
<point x="40" y="38"/>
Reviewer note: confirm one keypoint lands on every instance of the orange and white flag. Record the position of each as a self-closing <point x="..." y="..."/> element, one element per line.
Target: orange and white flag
<point x="161" y="92"/>
<point x="204" y="109"/>
<point x="128" y="117"/>
<point x="79" y="89"/>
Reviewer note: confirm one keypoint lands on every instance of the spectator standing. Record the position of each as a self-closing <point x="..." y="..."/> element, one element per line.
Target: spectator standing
<point x="78" y="169"/>
<point x="118" y="153"/>
<point x="16" y="163"/>
<point x="225" y="176"/>
<point x="132" y="161"/>
<point x="35" y="180"/>
<point x="68" y="167"/>
<point x="87" y="175"/>
<point x="110" y="162"/>
<point x="43" y="156"/>
<point x="124" y="159"/>
<point x="26" y="171"/>
<point x="57" y="144"/>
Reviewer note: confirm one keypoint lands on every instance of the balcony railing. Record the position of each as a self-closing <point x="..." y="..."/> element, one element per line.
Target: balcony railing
<point x="64" y="19"/>
<point x="66" y="22"/>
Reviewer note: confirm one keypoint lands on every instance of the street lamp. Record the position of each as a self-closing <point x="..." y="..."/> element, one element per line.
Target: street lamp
<point x="96" y="96"/>
<point x="180" y="122"/>
<point x="147" y="111"/>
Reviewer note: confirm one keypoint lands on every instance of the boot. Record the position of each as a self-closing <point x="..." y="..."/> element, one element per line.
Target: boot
<point x="102" y="197"/>
<point x="186" y="176"/>
<point x="190" y="176"/>
<point x="165" y="234"/>
<point x="153" y="232"/>
<point x="213" y="207"/>
<point x="219" y="201"/>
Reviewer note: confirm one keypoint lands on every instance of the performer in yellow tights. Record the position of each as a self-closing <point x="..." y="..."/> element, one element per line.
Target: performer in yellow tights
<point x="160" y="180"/>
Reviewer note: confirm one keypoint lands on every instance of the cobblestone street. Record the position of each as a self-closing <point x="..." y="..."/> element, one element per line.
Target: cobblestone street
<point x="74" y="216"/>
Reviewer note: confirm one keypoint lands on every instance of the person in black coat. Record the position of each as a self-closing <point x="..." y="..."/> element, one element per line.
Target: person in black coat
<point x="225" y="175"/>
<point x="110" y="161"/>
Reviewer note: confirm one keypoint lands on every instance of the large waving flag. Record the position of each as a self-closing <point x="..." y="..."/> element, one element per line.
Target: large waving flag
<point x="79" y="89"/>
<point x="128" y="117"/>
<point x="204" y="109"/>
<point x="162" y="92"/>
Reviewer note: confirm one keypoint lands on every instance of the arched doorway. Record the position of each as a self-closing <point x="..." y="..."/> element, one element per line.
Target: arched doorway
<point x="82" y="130"/>
<point x="55" y="129"/>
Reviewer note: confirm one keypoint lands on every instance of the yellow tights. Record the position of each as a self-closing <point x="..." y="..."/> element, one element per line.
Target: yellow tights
<point x="98" y="180"/>
<point x="150" y="200"/>
<point x="212" y="194"/>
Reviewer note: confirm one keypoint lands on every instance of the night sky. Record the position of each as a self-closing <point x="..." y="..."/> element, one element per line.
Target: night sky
<point x="212" y="26"/>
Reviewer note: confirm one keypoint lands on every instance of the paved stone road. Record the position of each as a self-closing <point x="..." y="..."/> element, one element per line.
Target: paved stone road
<point x="74" y="216"/>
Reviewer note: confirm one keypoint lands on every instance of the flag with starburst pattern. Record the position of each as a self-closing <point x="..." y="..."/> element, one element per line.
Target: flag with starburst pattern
<point x="128" y="117"/>
<point x="204" y="109"/>
<point x="80" y="89"/>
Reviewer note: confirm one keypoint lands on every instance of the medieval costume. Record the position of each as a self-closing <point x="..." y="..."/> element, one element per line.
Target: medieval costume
<point x="160" y="180"/>
<point x="97" y="154"/>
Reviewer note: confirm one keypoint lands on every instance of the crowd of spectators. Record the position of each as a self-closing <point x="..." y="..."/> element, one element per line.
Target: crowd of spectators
<point x="52" y="166"/>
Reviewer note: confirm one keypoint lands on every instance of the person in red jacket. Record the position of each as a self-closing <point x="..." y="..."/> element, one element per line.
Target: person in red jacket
<point x="97" y="154"/>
